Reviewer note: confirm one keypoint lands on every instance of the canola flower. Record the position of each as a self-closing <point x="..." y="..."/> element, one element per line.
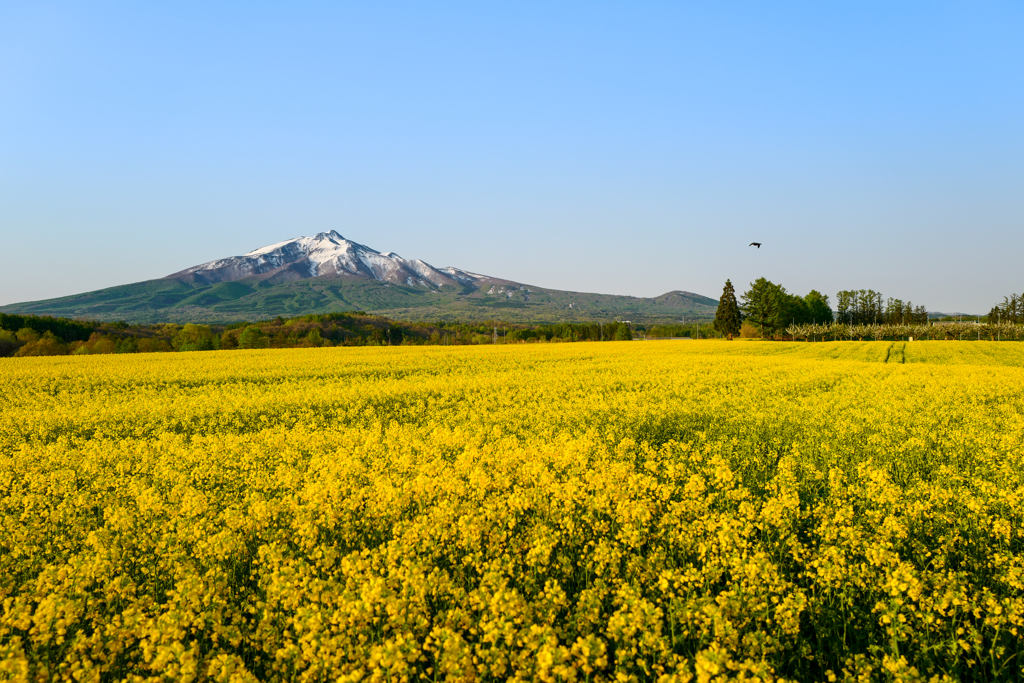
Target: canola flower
<point x="590" y="512"/>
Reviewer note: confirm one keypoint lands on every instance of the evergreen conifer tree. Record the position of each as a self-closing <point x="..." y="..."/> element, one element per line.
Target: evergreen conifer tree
<point x="728" y="318"/>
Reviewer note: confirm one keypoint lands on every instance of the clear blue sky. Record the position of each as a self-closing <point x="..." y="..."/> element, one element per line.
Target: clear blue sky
<point x="627" y="148"/>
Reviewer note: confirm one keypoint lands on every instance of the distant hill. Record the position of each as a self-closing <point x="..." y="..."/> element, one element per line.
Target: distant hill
<point x="328" y="273"/>
<point x="955" y="314"/>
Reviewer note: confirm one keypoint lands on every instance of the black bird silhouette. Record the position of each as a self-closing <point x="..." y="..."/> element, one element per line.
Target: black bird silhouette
<point x="755" y="244"/>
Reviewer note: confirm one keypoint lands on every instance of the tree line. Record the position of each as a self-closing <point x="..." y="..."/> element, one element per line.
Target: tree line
<point x="867" y="307"/>
<point x="770" y="309"/>
<point x="47" y="336"/>
<point x="696" y="329"/>
<point x="1010" y="311"/>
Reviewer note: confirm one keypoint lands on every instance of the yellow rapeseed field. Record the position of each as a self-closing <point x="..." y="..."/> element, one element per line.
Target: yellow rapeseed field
<point x="623" y="511"/>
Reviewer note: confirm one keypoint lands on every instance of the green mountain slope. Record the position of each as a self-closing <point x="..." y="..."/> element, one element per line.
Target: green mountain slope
<point x="173" y="300"/>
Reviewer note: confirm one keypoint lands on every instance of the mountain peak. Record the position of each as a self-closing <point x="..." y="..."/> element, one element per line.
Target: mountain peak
<point x="326" y="254"/>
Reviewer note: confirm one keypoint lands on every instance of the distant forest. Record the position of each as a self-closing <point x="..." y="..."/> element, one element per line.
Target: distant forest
<point x="46" y="336"/>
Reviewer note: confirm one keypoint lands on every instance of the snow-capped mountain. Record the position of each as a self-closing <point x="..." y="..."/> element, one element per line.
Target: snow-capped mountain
<point x="328" y="273"/>
<point x="330" y="254"/>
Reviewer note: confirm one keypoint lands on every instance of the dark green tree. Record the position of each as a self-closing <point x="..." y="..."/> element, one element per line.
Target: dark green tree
<point x="728" y="317"/>
<point x="764" y="305"/>
<point x="844" y="306"/>
<point x="818" y="307"/>
<point x="9" y="343"/>
<point x="1012" y="310"/>
<point x="794" y="309"/>
<point x="252" y="337"/>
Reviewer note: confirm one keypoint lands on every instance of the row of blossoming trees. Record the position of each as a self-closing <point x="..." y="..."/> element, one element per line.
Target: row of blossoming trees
<point x="994" y="331"/>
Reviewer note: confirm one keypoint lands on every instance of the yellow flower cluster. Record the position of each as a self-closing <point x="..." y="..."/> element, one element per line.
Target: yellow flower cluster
<point x="667" y="511"/>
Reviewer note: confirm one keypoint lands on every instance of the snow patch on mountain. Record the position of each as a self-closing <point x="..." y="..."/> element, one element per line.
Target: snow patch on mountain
<point x="329" y="253"/>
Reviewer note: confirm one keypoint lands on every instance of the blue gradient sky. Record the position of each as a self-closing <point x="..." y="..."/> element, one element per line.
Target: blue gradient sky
<point x="627" y="148"/>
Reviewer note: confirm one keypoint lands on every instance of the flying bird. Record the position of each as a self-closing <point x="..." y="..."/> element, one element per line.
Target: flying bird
<point x="755" y="244"/>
